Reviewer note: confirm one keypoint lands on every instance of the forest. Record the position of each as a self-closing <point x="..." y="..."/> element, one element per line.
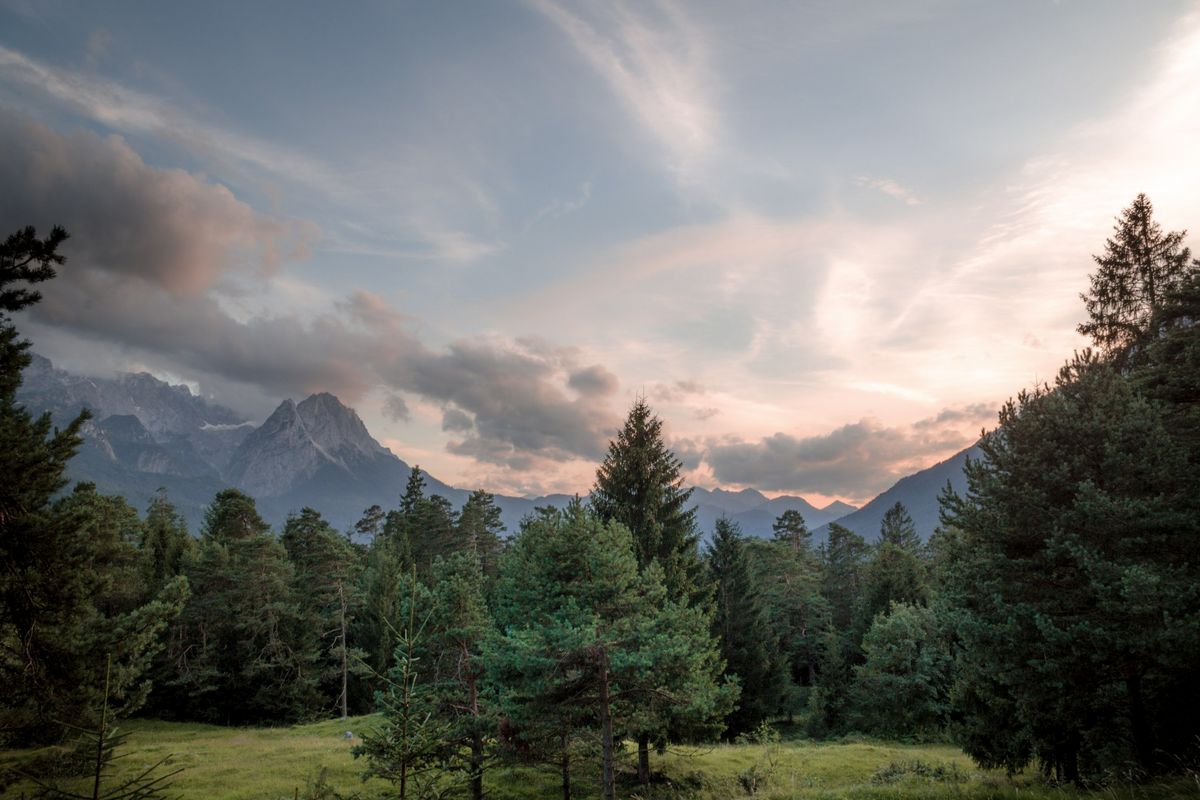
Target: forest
<point x="1050" y="626"/>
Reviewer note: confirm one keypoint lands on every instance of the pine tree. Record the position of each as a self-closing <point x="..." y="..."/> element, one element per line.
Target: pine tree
<point x="244" y="656"/>
<point x="584" y="633"/>
<point x="166" y="543"/>
<point x="902" y="688"/>
<point x="458" y="624"/>
<point x="842" y="556"/>
<point x="479" y="529"/>
<point x="790" y="527"/>
<point x="60" y="604"/>
<point x="740" y="627"/>
<point x="1076" y="583"/>
<point x="1140" y="267"/>
<point x="639" y="484"/>
<point x="409" y="748"/>
<point x="789" y="583"/>
<point x="325" y="581"/>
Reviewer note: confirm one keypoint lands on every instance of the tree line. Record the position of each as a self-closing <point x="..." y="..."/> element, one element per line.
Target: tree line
<point x="1053" y="618"/>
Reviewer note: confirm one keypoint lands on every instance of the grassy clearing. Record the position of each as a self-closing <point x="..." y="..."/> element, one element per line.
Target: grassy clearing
<point x="276" y="763"/>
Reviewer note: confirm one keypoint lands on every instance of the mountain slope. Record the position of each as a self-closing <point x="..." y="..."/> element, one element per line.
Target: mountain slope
<point x="919" y="494"/>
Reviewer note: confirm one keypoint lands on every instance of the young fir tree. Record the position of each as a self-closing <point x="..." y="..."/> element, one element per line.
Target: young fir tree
<point x="410" y="746"/>
<point x="740" y="627"/>
<point x="60" y="607"/>
<point x="325" y="583"/>
<point x="1078" y="608"/>
<point x="1141" y="265"/>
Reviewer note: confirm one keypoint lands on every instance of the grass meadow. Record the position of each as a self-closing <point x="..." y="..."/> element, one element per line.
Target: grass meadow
<point x="314" y="761"/>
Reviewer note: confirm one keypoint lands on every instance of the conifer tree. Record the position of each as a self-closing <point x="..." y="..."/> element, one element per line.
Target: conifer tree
<point x="325" y="581"/>
<point x="740" y="627"/>
<point x="897" y="528"/>
<point x="244" y="656"/>
<point x="1141" y="265"/>
<point x="60" y="607"/>
<point x="1076" y="582"/>
<point x="639" y="485"/>
<point x="790" y="527"/>
<point x="458" y="624"/>
<point x="166" y="543"/>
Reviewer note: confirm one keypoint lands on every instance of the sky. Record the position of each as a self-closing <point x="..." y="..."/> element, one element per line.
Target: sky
<point x="825" y="241"/>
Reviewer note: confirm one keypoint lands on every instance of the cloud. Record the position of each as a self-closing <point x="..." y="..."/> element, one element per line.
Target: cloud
<point x="655" y="60"/>
<point x="857" y="460"/>
<point x="396" y="409"/>
<point x="392" y="220"/>
<point x="456" y="421"/>
<point x="171" y="229"/>
<point x="891" y="188"/>
<point x="593" y="380"/>
<point x="166" y="266"/>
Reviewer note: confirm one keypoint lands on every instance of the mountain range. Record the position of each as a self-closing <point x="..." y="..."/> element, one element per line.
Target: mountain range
<point x="145" y="434"/>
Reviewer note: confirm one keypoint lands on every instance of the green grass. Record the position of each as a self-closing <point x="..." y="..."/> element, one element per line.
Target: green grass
<point x="270" y="763"/>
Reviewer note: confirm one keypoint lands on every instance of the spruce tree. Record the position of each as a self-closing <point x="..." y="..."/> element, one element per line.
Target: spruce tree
<point x="1141" y="265"/>
<point x="640" y="486"/>
<point x="740" y="627"/>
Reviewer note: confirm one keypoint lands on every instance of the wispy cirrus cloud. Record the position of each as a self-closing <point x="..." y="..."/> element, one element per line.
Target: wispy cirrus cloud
<point x="247" y="159"/>
<point x="655" y="59"/>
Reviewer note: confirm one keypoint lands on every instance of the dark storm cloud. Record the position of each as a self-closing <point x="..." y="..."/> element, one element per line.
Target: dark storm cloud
<point x="152" y="250"/>
<point x="856" y="460"/>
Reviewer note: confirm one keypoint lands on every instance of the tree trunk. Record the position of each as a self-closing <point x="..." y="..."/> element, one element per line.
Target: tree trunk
<point x="345" y="656"/>
<point x="608" y="786"/>
<point x="644" y="759"/>
<point x="1140" y="730"/>
<point x="566" y="766"/>
<point x="476" y="740"/>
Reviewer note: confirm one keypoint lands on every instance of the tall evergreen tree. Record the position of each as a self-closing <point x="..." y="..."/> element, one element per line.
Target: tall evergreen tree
<point x="1141" y="265"/>
<point x="584" y="632"/>
<point x="244" y="656"/>
<point x="740" y="627"/>
<point x="479" y="528"/>
<point x="639" y="484"/>
<point x="60" y="609"/>
<point x="166" y="543"/>
<point x="897" y="528"/>
<point x="842" y="556"/>
<point x="325" y="584"/>
<point x="1078" y="610"/>
<point x="790" y="527"/>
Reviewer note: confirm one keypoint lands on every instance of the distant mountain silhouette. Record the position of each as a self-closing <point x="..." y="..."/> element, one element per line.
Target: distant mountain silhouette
<point x="919" y="494"/>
